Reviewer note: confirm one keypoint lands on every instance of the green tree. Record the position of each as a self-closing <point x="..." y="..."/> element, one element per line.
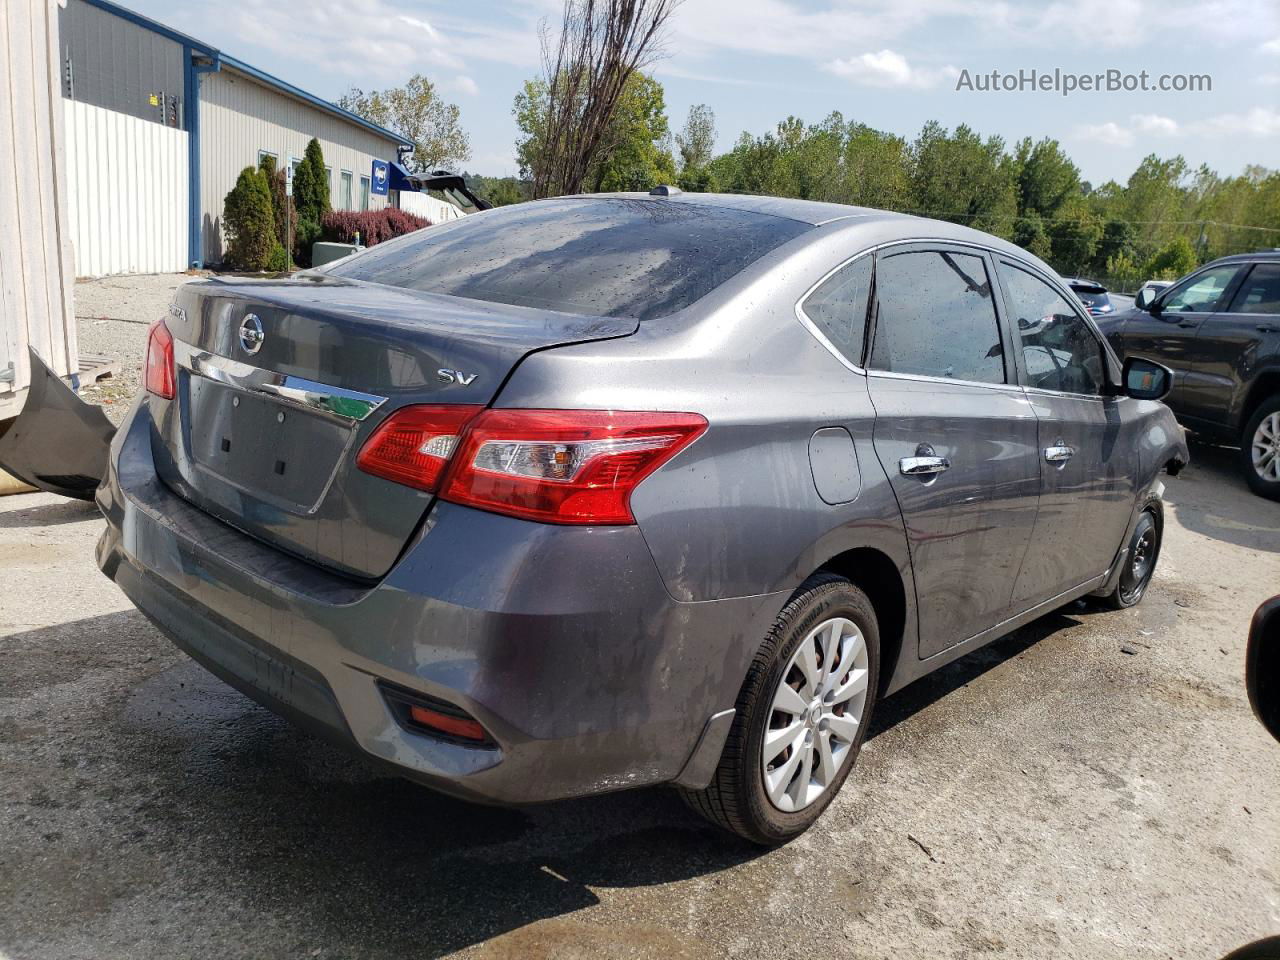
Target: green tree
<point x="418" y="112"/>
<point x="248" y="222"/>
<point x="633" y="152"/>
<point x="1030" y="233"/>
<point x="1173" y="260"/>
<point x="1047" y="179"/>
<point x="697" y="141"/>
<point x="310" y="200"/>
<point x="961" y="177"/>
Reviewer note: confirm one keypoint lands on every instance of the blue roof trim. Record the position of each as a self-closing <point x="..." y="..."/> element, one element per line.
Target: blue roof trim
<point x="240" y="66"/>
<point x="285" y="87"/>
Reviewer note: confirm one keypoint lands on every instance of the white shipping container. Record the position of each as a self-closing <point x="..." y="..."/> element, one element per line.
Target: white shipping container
<point x="36" y="273"/>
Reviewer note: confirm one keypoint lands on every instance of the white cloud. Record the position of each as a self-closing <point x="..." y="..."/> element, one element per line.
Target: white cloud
<point x="1110" y="133"/>
<point x="887" y="69"/>
<point x="1258" y="122"/>
<point x="1271" y="46"/>
<point x="463" y="84"/>
<point x="1269" y="79"/>
<point x="1154" y="123"/>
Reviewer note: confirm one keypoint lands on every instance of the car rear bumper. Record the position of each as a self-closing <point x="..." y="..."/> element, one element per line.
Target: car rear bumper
<point x="561" y="641"/>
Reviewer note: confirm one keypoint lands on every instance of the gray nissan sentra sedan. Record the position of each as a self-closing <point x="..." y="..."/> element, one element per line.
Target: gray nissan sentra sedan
<point x="606" y="491"/>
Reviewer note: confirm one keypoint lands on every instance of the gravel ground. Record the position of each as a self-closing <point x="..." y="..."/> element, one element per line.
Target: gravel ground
<point x="113" y="314"/>
<point x="1092" y="786"/>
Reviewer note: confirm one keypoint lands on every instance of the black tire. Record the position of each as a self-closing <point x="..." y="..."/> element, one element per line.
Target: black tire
<point x="736" y="798"/>
<point x="1260" y="485"/>
<point x="1139" y="562"/>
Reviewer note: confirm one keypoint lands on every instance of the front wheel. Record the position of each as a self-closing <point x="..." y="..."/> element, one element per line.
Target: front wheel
<point x="1260" y="449"/>
<point x="801" y="716"/>
<point x="1139" y="561"/>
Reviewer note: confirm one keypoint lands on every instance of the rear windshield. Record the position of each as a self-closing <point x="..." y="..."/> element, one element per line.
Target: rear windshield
<point x="600" y="257"/>
<point x="1091" y="296"/>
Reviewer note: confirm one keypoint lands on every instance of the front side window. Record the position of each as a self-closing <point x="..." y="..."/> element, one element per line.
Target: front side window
<point x="936" y="317"/>
<point x="1202" y="292"/>
<point x="1260" y="292"/>
<point x="1059" y="350"/>
<point x="838" y="308"/>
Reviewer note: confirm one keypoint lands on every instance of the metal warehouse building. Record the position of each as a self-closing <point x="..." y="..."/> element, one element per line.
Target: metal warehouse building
<point x="159" y="126"/>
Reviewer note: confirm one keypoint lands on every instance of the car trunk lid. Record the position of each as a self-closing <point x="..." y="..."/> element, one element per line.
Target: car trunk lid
<point x="280" y="382"/>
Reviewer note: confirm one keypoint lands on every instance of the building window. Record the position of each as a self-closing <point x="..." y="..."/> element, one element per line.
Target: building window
<point x="328" y="179"/>
<point x="364" y="193"/>
<point x="344" y="192"/>
<point x="263" y="154"/>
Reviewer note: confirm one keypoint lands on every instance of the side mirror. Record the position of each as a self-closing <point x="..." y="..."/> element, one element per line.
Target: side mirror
<point x="1262" y="666"/>
<point x="1144" y="298"/>
<point x="1145" y="379"/>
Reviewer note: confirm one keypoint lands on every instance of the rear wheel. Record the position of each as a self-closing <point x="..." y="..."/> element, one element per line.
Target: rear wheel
<point x="801" y="716"/>
<point x="1139" y="561"/>
<point x="1260" y="449"/>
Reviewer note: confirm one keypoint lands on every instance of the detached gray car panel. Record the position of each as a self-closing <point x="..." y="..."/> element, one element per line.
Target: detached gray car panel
<point x="600" y="654"/>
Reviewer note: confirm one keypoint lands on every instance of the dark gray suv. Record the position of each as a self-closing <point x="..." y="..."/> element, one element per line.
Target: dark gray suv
<point x="599" y="492"/>
<point x="1218" y="329"/>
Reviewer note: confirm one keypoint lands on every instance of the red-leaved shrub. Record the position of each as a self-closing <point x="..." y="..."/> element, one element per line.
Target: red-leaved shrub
<point x="374" y="226"/>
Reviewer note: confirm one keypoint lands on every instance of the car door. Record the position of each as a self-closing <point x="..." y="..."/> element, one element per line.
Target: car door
<point x="1167" y="332"/>
<point x="1088" y="465"/>
<point x="1229" y="346"/>
<point x="954" y="433"/>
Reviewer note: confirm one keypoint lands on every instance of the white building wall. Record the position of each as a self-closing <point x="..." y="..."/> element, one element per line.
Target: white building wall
<point x="35" y="257"/>
<point x="128" y="186"/>
<point x="239" y="117"/>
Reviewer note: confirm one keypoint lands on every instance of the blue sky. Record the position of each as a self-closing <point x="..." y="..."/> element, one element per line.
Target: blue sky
<point x="892" y="65"/>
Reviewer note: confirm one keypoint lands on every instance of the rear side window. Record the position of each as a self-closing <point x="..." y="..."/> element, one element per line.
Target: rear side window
<point x="1260" y="292"/>
<point x="936" y="317"/>
<point x="1059" y="350"/>
<point x="607" y="257"/>
<point x="838" y="308"/>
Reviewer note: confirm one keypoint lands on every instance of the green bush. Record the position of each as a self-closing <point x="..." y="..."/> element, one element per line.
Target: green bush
<point x="248" y="221"/>
<point x="277" y="259"/>
<point x="305" y="234"/>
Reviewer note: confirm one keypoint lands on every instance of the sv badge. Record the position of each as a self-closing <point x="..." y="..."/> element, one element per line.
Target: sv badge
<point x="455" y="376"/>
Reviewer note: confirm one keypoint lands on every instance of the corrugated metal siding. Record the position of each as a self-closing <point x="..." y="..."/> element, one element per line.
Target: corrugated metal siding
<point x="425" y="205"/>
<point x="110" y="62"/>
<point x="128" y="188"/>
<point x="239" y="117"/>
<point x="35" y="264"/>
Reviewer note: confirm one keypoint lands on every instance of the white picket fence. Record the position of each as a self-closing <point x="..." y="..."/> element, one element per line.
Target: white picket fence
<point x="128" y="182"/>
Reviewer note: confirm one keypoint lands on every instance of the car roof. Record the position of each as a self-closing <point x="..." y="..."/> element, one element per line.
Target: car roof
<point x="1273" y="254"/>
<point x="812" y="212"/>
<point x="877" y="226"/>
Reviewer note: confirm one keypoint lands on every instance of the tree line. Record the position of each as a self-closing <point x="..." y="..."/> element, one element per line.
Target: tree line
<point x="595" y="121"/>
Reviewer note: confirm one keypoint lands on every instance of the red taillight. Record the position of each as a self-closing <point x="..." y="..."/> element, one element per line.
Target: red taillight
<point x="556" y="466"/>
<point x="564" y="466"/>
<point x="159" y="372"/>
<point x="463" y="727"/>
<point x="414" y="444"/>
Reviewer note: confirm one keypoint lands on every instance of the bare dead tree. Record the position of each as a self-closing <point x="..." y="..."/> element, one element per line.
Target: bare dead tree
<point x="601" y="44"/>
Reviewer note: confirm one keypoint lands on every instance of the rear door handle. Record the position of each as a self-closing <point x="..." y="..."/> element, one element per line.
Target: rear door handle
<point x="1059" y="453"/>
<point x="923" y="466"/>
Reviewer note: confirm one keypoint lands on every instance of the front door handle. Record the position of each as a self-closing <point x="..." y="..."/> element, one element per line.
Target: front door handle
<point x="1268" y="328"/>
<point x="1059" y="453"/>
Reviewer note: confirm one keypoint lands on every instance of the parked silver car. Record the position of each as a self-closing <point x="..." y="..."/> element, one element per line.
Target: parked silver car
<point x="599" y="492"/>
